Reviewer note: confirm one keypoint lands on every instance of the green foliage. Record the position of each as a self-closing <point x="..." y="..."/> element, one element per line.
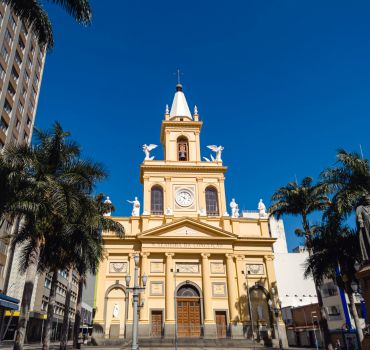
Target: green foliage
<point x="36" y="18"/>
<point x="348" y="181"/>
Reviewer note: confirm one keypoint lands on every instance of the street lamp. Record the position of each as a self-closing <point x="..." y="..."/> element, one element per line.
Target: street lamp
<point x="273" y="306"/>
<point x="314" y="315"/>
<point x="135" y="290"/>
<point x="250" y="307"/>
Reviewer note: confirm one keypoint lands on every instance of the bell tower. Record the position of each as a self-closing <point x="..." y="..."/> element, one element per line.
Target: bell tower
<point x="180" y="131"/>
<point x="182" y="184"/>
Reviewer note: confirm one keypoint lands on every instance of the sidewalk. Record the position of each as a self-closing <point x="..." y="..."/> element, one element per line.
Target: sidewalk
<point x="55" y="346"/>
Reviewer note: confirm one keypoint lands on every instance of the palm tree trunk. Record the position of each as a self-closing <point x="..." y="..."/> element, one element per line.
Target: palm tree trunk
<point x="26" y="299"/>
<point x="65" y="326"/>
<point x="50" y="314"/>
<point x="354" y="314"/>
<point x="323" y="320"/>
<point x="10" y="257"/>
<point x="77" y="324"/>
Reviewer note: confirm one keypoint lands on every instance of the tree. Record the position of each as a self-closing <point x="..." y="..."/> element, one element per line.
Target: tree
<point x="90" y="243"/>
<point x="303" y="200"/>
<point x="32" y="13"/>
<point x="57" y="177"/>
<point x="335" y="254"/>
<point x="349" y="181"/>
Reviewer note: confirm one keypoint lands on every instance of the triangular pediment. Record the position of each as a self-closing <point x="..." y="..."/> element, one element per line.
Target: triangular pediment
<point x="187" y="228"/>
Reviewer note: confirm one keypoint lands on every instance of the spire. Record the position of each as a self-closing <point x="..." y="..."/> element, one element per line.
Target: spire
<point x="179" y="106"/>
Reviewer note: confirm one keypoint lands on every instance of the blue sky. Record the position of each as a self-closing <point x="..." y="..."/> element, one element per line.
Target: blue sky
<point x="280" y="84"/>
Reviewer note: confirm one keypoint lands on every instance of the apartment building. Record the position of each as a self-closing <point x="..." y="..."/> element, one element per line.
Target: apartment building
<point x="21" y="68"/>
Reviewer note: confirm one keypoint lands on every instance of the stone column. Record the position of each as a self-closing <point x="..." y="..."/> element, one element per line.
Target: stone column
<point x="170" y="290"/>
<point x="231" y="290"/>
<point x="243" y="304"/>
<point x="144" y="311"/>
<point x="209" y="322"/>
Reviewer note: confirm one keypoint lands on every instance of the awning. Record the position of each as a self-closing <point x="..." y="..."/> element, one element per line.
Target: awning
<point x="9" y="302"/>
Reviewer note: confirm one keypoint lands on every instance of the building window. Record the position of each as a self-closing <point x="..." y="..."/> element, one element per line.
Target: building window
<point x="211" y="201"/>
<point x="329" y="289"/>
<point x="33" y="92"/>
<point x="21" y="44"/>
<point x="20" y="107"/>
<point x="2" y="72"/>
<point x="28" y="122"/>
<point x="7" y="106"/>
<point x="13" y="22"/>
<point x="183" y="148"/>
<point x="8" y="37"/>
<point x="25" y="137"/>
<point x="36" y="79"/>
<point x="333" y="312"/>
<point x="156" y="200"/>
<point x="27" y="77"/>
<point x="3" y="125"/>
<point x="1" y="145"/>
<point x="15" y="74"/>
<point x="11" y="90"/>
<point x="18" y="58"/>
<point x="17" y="124"/>
<point x="5" y="53"/>
<point x="29" y="62"/>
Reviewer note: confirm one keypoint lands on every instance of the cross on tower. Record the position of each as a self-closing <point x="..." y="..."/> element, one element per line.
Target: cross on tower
<point x="179" y="73"/>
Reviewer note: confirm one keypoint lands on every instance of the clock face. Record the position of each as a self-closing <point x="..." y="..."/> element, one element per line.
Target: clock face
<point x="184" y="198"/>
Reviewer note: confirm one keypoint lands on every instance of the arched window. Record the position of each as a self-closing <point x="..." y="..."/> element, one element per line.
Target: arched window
<point x="183" y="148"/>
<point x="156" y="200"/>
<point x="211" y="201"/>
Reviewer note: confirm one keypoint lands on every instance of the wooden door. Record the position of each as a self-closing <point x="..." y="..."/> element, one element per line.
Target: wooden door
<point x="157" y="323"/>
<point x="188" y="317"/>
<point x="221" y="324"/>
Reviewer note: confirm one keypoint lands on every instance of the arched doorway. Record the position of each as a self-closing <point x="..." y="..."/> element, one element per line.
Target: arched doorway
<point x="188" y="310"/>
<point x="261" y="311"/>
<point x="115" y="311"/>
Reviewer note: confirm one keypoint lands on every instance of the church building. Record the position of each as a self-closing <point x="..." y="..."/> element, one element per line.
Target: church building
<point x="199" y="255"/>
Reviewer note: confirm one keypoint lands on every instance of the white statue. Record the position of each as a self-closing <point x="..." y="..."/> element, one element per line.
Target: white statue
<point x="218" y="150"/>
<point x="147" y="149"/>
<point x="135" y="207"/>
<point x="202" y="212"/>
<point x="107" y="201"/>
<point x="262" y="209"/>
<point x="168" y="211"/>
<point x="234" y="208"/>
<point x="115" y="310"/>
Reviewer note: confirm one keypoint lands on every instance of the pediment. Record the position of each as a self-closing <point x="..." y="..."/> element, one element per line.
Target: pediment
<point x="187" y="228"/>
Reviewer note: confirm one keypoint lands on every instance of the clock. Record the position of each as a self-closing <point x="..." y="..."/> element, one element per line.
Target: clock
<point x="184" y="198"/>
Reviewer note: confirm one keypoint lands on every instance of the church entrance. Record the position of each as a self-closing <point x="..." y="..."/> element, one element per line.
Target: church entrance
<point x="188" y="312"/>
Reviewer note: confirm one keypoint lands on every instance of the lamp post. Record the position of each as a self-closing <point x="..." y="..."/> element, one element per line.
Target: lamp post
<point x="250" y="307"/>
<point x="314" y="315"/>
<point x="273" y="305"/>
<point x="135" y="290"/>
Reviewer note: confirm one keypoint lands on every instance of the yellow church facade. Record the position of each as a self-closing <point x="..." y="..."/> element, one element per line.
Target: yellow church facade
<point x="200" y="257"/>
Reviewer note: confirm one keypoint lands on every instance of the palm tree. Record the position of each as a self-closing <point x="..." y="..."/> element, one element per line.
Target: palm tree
<point x="335" y="254"/>
<point x="349" y="181"/>
<point x="57" y="177"/>
<point x="32" y="13"/>
<point x="303" y="200"/>
<point x="90" y="243"/>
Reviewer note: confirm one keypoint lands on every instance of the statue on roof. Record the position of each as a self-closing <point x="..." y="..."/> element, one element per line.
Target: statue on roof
<point x="108" y="204"/>
<point x="135" y="207"/>
<point x="218" y="150"/>
<point x="234" y="208"/>
<point x="262" y="209"/>
<point x="147" y="149"/>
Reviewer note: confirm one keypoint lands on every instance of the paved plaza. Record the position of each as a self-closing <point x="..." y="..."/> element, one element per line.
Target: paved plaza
<point x="55" y="346"/>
